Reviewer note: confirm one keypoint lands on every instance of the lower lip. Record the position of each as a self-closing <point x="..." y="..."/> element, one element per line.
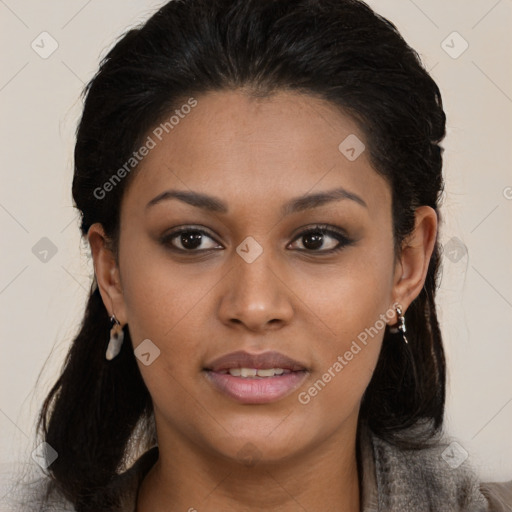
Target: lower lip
<point x="249" y="390"/>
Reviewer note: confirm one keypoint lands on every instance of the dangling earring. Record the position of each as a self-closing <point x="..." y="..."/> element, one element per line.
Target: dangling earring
<point x="400" y="327"/>
<point x="116" y="339"/>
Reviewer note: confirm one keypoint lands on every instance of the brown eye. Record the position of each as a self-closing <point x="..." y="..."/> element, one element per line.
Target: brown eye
<point x="322" y="239"/>
<point x="190" y="240"/>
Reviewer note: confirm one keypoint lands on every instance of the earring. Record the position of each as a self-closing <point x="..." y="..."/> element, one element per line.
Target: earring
<point x="116" y="339"/>
<point x="400" y="327"/>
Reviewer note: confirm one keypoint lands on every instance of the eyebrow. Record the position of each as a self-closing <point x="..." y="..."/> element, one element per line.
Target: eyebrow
<point x="297" y="204"/>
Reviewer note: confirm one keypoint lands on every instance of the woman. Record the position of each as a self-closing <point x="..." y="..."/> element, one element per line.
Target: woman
<point x="259" y="182"/>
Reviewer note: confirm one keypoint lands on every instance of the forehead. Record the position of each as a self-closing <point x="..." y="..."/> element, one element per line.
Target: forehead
<point x="236" y="146"/>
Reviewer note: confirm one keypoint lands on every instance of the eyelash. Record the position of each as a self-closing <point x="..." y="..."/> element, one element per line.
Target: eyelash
<point x="323" y="229"/>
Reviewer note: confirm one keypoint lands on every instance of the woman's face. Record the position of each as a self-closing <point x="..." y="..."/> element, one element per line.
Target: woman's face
<point x="244" y="275"/>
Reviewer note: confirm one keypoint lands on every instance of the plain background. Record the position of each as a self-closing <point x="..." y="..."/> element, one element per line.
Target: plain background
<point x="41" y="302"/>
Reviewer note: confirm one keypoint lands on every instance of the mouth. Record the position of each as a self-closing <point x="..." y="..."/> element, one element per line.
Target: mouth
<point x="255" y="378"/>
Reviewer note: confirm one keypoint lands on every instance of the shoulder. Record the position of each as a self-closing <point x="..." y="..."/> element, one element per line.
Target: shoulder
<point x="437" y="477"/>
<point x="34" y="492"/>
<point x="27" y="488"/>
<point x="499" y="495"/>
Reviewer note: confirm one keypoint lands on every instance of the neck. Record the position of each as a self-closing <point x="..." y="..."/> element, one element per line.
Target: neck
<point x="186" y="478"/>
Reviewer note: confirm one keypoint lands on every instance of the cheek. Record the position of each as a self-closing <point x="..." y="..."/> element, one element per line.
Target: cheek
<point x="161" y="297"/>
<point x="165" y="304"/>
<point x="350" y="296"/>
<point x="354" y="305"/>
<point x="338" y="383"/>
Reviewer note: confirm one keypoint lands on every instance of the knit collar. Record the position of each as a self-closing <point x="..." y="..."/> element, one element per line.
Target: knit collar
<point x="416" y="480"/>
<point x="368" y="477"/>
<point x="392" y="479"/>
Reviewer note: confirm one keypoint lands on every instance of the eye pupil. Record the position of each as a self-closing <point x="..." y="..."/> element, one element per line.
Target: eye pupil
<point x="315" y="240"/>
<point x="191" y="239"/>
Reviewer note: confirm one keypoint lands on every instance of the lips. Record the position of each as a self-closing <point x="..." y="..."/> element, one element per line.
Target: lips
<point x="265" y="360"/>
<point x="255" y="378"/>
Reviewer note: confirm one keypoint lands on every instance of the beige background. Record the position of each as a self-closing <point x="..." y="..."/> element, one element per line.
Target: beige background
<point x="41" y="302"/>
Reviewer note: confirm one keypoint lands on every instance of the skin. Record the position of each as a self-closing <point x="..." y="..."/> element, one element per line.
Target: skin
<point x="255" y="155"/>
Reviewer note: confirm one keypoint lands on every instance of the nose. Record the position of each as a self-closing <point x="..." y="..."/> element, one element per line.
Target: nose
<point x="256" y="296"/>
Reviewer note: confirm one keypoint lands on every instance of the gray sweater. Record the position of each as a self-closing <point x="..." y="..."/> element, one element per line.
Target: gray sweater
<point x="393" y="480"/>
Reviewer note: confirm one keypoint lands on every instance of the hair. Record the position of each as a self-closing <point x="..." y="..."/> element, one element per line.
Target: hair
<point x="337" y="50"/>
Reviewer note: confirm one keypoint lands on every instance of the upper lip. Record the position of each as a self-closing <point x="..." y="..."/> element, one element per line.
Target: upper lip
<point x="243" y="359"/>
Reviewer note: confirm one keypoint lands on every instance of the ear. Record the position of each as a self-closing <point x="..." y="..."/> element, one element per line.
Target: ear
<point x="107" y="272"/>
<point x="412" y="265"/>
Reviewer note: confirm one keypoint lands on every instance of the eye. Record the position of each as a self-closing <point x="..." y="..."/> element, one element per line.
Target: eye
<point x="189" y="239"/>
<point x="321" y="239"/>
<point x="322" y="236"/>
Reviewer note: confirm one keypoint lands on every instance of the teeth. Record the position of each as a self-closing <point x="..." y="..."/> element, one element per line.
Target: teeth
<point x="253" y="372"/>
<point x="270" y="372"/>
